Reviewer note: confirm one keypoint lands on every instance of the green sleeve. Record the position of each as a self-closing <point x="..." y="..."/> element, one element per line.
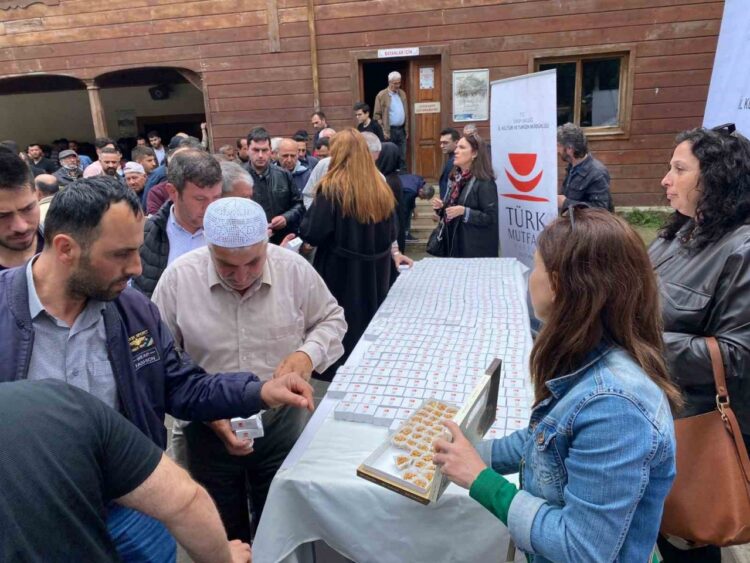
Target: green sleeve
<point x="494" y="492"/>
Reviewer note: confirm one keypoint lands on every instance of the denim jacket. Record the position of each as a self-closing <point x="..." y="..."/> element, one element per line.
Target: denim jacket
<point x="596" y="463"/>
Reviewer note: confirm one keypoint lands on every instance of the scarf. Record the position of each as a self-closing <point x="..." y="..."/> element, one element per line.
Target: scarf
<point x="458" y="181"/>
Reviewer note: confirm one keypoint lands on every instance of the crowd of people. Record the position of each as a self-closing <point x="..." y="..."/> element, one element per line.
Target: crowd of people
<point x="172" y="283"/>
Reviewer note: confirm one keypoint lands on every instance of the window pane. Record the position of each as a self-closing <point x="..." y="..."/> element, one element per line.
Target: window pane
<point x="600" y="92"/>
<point x="566" y="90"/>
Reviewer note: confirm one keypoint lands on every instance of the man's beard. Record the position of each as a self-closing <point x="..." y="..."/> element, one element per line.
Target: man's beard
<point x="19" y="245"/>
<point x="83" y="282"/>
<point x="110" y="172"/>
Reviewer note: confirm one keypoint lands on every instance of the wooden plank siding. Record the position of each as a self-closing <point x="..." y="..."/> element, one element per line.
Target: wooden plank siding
<point x="246" y="84"/>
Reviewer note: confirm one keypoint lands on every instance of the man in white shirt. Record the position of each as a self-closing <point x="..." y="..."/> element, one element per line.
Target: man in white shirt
<point x="392" y="113"/>
<point x="245" y="303"/>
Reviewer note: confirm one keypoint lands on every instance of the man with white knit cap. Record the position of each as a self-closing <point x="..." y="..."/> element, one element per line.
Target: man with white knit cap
<point x="241" y="304"/>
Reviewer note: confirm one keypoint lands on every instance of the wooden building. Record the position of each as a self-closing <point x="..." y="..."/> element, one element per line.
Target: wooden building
<point x="635" y="72"/>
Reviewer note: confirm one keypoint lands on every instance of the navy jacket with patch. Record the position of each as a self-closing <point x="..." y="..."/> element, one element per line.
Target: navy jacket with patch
<point x="152" y="376"/>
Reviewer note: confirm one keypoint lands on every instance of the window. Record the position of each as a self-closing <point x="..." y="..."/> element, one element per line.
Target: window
<point x="592" y="90"/>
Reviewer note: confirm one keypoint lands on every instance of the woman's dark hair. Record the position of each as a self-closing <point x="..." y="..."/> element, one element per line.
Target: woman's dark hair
<point x="724" y="183"/>
<point x="78" y="209"/>
<point x="605" y="290"/>
<point x="482" y="167"/>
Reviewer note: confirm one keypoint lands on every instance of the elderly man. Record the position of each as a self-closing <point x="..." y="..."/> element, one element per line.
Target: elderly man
<point x="135" y="177"/>
<point x="586" y="178"/>
<point x="392" y="113"/>
<point x="69" y="170"/>
<point x="241" y="303"/>
<point x="289" y="161"/>
<point x="235" y="181"/>
<point x="68" y="314"/>
<point x="45" y="187"/>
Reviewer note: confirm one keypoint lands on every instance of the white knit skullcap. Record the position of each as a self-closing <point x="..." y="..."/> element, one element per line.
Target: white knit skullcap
<point x="235" y="222"/>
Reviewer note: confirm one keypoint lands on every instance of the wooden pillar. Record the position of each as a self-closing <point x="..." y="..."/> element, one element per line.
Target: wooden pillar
<point x="313" y="53"/>
<point x="97" y="109"/>
<point x="272" y="15"/>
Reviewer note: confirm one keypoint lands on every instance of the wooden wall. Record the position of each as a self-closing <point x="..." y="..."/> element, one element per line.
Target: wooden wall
<point x="227" y="41"/>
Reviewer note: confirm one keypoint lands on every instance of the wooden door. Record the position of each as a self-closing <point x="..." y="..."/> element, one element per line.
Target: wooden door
<point x="425" y="81"/>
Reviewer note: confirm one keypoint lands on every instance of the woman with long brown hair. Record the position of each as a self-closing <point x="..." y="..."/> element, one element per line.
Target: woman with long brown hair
<point x="598" y="457"/>
<point x="352" y="223"/>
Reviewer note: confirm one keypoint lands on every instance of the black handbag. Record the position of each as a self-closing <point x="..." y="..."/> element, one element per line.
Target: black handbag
<point x="437" y="244"/>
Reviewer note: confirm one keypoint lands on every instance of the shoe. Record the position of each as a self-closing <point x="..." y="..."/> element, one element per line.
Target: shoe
<point x="410" y="238"/>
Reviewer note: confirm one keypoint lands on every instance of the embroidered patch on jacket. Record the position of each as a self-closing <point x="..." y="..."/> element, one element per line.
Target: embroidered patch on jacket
<point x="143" y="349"/>
<point x="140" y="340"/>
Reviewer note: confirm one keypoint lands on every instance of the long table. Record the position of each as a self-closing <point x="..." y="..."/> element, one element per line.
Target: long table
<point x="316" y="495"/>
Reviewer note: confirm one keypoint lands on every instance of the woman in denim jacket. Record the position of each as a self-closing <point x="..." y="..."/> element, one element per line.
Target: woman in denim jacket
<point x="598" y="457"/>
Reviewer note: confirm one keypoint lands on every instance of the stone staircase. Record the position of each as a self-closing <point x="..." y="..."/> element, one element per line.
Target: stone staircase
<point x="421" y="227"/>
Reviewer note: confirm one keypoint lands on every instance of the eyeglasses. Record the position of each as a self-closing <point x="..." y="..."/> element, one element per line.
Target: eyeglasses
<point x="570" y="211"/>
<point x="726" y="129"/>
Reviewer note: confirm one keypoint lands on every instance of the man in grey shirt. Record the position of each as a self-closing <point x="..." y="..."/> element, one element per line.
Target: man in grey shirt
<point x="79" y="349"/>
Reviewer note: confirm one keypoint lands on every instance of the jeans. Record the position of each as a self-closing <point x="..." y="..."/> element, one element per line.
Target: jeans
<point x="139" y="538"/>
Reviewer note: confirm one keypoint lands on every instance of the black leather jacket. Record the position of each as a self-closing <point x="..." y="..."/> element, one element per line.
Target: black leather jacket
<point x="276" y="193"/>
<point x="707" y="293"/>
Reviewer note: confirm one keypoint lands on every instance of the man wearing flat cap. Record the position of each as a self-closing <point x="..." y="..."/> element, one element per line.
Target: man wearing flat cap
<point x="69" y="170"/>
<point x="241" y="303"/>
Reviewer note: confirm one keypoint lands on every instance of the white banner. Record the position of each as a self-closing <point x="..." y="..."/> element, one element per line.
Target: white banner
<point x="523" y="125"/>
<point x="729" y="94"/>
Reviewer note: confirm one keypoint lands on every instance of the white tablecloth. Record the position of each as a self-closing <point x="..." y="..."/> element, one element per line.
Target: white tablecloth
<point x="319" y="497"/>
<point x="316" y="495"/>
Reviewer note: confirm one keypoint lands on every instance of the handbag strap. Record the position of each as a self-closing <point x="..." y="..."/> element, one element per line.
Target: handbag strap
<point x="465" y="194"/>
<point x="722" y="404"/>
<point x="720" y="380"/>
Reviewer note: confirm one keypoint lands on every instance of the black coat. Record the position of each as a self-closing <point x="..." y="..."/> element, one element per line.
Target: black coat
<point x="476" y="236"/>
<point x="276" y="193"/>
<point x="355" y="261"/>
<point x="154" y="251"/>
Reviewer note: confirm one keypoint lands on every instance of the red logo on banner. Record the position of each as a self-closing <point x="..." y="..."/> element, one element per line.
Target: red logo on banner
<point x="523" y="165"/>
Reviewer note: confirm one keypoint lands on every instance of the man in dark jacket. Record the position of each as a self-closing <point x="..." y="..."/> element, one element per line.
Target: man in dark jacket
<point x="193" y="182"/>
<point x="586" y="179"/>
<point x="273" y="188"/>
<point x="69" y="315"/>
<point x="448" y="139"/>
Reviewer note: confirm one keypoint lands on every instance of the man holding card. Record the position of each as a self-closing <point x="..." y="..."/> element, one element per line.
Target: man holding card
<point x="245" y="303"/>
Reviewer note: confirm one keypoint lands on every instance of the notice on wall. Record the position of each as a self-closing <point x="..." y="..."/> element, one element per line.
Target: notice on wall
<point x="398" y="52"/>
<point x="426" y="78"/>
<point x="471" y="95"/>
<point x="427" y="107"/>
<point x="523" y="127"/>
